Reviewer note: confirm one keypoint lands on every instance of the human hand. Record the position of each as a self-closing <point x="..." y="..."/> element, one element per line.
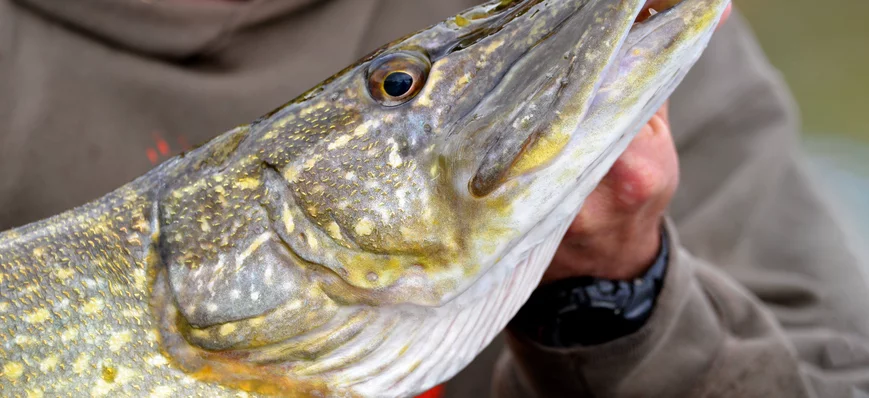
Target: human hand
<point x="616" y="234"/>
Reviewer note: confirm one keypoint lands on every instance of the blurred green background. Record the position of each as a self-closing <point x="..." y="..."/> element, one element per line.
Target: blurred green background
<point x="822" y="50"/>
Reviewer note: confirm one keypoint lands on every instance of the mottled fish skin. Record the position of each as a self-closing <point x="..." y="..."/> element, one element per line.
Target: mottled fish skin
<point x="351" y="242"/>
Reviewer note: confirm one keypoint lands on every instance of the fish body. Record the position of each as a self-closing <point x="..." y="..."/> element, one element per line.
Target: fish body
<point x="368" y="238"/>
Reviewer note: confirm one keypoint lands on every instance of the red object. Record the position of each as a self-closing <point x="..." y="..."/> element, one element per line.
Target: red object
<point x="152" y="155"/>
<point x="437" y="392"/>
<point x="162" y="146"/>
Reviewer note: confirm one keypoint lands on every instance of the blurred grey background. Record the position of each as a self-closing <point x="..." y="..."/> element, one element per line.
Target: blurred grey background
<point x="822" y="50"/>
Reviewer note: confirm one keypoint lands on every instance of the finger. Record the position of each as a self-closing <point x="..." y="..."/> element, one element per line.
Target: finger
<point x="664" y="115"/>
<point x="642" y="173"/>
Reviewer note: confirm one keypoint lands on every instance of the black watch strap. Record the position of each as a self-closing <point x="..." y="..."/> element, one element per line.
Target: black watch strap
<point x="588" y="311"/>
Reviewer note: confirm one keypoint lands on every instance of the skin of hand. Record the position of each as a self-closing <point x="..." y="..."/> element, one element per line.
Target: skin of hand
<point x="616" y="234"/>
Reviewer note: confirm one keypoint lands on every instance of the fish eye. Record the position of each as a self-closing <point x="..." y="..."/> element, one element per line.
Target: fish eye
<point x="397" y="78"/>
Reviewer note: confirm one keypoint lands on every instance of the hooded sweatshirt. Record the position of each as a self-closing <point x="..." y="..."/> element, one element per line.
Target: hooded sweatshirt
<point x="764" y="294"/>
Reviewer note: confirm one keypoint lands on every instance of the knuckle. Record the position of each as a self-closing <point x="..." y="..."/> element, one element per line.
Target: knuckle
<point x="640" y="185"/>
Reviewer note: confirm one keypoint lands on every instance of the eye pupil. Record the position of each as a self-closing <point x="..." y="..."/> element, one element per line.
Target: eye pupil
<point x="397" y="84"/>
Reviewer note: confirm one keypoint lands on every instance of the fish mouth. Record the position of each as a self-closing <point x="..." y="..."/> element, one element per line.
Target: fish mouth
<point x="652" y="7"/>
<point x="544" y="171"/>
<point x="535" y="131"/>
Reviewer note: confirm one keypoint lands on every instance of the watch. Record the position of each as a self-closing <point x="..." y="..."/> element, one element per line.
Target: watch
<point x="585" y="311"/>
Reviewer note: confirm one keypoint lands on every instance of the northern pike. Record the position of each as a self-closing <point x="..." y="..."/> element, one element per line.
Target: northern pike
<point x="368" y="238"/>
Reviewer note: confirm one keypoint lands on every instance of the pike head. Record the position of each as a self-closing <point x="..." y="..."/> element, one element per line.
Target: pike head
<point x="373" y="235"/>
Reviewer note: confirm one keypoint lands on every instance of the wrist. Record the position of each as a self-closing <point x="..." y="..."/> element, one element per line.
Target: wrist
<point x="622" y="254"/>
<point x="585" y="311"/>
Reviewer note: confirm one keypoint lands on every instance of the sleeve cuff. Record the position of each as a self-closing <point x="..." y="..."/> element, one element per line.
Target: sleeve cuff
<point x="678" y="323"/>
<point x="559" y="314"/>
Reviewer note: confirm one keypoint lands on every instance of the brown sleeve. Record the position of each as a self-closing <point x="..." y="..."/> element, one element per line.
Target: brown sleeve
<point x="764" y="297"/>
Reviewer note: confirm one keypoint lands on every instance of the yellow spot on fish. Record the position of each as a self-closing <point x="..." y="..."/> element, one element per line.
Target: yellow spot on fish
<point x="256" y="322"/>
<point x="288" y="219"/>
<point x="199" y="333"/>
<point x="291" y="173"/>
<point x="433" y="171"/>
<point x="139" y="278"/>
<point x="363" y="128"/>
<point x="433" y="79"/>
<point x="4" y="306"/>
<point x="48" y="364"/>
<point x="81" y="363"/>
<point x="462" y="21"/>
<point x="340" y="142"/>
<point x="161" y="392"/>
<point x="37" y="316"/>
<point x="334" y="231"/>
<point x="69" y="334"/>
<point x="157" y="360"/>
<point x="109" y="373"/>
<point x="226" y="329"/>
<point x="494" y="45"/>
<point x="310" y="163"/>
<point x="271" y="134"/>
<point x="13" y="370"/>
<point x="38" y="252"/>
<point x="23" y="340"/>
<point x="64" y="273"/>
<point x="93" y="306"/>
<point x="119" y="340"/>
<point x="312" y="241"/>
<point x="124" y="375"/>
<point x="364" y="227"/>
<point x="140" y="225"/>
<point x="248" y="183"/>
<point x="461" y="83"/>
<point x="394" y="158"/>
<point x="34" y="393"/>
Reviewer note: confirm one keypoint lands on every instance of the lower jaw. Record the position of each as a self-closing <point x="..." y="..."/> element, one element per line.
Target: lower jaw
<point x="436" y="343"/>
